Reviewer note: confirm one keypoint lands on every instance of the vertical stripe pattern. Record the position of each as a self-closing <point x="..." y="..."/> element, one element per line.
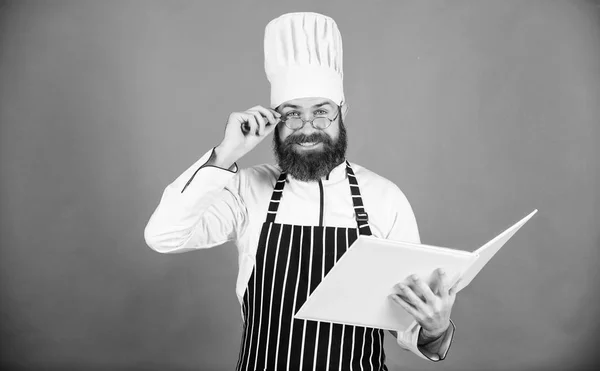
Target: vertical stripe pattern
<point x="291" y="261"/>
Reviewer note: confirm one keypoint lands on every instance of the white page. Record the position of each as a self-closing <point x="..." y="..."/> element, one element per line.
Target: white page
<point x="356" y="289"/>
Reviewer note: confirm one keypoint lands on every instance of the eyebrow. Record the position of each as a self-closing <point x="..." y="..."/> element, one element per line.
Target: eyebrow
<point x="288" y="105"/>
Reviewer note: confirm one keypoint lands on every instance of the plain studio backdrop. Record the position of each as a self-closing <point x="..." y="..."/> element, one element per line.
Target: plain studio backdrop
<point x="479" y="111"/>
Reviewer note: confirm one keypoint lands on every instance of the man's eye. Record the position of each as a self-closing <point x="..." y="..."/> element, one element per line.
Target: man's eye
<point x="292" y="114"/>
<point x="320" y="112"/>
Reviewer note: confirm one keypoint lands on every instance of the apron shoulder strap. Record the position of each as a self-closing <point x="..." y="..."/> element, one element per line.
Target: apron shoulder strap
<point x="276" y="197"/>
<point x="362" y="218"/>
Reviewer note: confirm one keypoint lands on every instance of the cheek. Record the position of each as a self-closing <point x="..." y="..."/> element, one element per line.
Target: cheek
<point x="333" y="134"/>
<point x="283" y="132"/>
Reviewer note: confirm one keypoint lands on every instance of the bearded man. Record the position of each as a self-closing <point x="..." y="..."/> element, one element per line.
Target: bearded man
<point x="292" y="221"/>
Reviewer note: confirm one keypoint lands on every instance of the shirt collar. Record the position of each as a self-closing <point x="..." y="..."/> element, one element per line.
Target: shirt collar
<point x="335" y="175"/>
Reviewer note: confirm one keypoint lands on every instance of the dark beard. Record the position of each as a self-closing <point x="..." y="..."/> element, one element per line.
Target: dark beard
<point x="312" y="165"/>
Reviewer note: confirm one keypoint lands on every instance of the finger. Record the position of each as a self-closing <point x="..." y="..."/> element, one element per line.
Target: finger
<point x="439" y="284"/>
<point x="410" y="297"/>
<point x="277" y="114"/>
<point x="238" y="118"/>
<point x="445" y="284"/>
<point x="253" y="125"/>
<point x="406" y="306"/>
<point x="454" y="289"/>
<point x="422" y="290"/>
<point x="271" y="115"/>
<point x="260" y="118"/>
<point x="269" y="129"/>
<point x="260" y="121"/>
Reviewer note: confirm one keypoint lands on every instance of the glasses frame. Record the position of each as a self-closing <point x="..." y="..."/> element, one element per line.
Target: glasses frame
<point x="311" y="121"/>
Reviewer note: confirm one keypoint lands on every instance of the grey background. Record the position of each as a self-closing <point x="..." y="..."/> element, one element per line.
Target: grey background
<point x="480" y="111"/>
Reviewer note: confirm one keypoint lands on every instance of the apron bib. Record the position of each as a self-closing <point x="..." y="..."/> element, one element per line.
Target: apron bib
<point x="291" y="260"/>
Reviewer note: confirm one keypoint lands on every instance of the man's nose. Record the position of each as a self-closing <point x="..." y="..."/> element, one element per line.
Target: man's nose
<point x="308" y="127"/>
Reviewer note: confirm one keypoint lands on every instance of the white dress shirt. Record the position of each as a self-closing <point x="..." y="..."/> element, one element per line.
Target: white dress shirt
<point x="208" y="206"/>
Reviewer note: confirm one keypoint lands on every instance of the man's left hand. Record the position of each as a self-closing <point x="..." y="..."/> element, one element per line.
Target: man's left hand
<point x="429" y="305"/>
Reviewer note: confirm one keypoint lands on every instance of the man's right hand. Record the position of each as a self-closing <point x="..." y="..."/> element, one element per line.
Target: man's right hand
<point x="243" y="132"/>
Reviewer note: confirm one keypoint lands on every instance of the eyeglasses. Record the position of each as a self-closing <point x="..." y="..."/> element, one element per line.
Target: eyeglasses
<point x="296" y="123"/>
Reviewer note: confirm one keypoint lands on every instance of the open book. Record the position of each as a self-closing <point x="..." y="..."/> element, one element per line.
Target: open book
<point x="356" y="289"/>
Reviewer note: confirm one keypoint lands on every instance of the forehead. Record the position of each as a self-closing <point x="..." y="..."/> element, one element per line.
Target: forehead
<point x="307" y="103"/>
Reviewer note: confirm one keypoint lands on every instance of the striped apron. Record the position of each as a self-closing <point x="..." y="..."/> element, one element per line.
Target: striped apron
<point x="291" y="260"/>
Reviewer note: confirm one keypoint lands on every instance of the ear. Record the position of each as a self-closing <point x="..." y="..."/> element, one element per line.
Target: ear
<point x="344" y="108"/>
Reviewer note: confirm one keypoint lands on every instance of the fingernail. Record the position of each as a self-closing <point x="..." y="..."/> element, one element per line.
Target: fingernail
<point x="442" y="272"/>
<point x="414" y="277"/>
<point x="402" y="286"/>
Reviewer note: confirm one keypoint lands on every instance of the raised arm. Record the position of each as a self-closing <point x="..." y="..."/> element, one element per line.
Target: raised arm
<point x="201" y="208"/>
<point x="204" y="206"/>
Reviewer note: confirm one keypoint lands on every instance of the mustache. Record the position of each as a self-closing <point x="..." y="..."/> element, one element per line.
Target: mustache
<point x="302" y="138"/>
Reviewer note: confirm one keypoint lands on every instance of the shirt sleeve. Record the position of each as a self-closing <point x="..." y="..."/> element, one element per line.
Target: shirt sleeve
<point x="408" y="339"/>
<point x="405" y="228"/>
<point x="202" y="208"/>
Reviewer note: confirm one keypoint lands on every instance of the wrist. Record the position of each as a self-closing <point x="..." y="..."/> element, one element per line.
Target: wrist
<point x="224" y="156"/>
<point x="426" y="337"/>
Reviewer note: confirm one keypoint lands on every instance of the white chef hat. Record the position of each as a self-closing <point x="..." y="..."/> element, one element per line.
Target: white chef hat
<point x="303" y="58"/>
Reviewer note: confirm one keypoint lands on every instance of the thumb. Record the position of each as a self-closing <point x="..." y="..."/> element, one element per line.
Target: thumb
<point x="454" y="289"/>
<point x="437" y="281"/>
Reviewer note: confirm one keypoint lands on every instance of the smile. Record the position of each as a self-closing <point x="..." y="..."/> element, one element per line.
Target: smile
<point x="309" y="144"/>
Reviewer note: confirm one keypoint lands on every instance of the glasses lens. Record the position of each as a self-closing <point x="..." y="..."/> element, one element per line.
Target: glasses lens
<point x="321" y="123"/>
<point x="294" y="123"/>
